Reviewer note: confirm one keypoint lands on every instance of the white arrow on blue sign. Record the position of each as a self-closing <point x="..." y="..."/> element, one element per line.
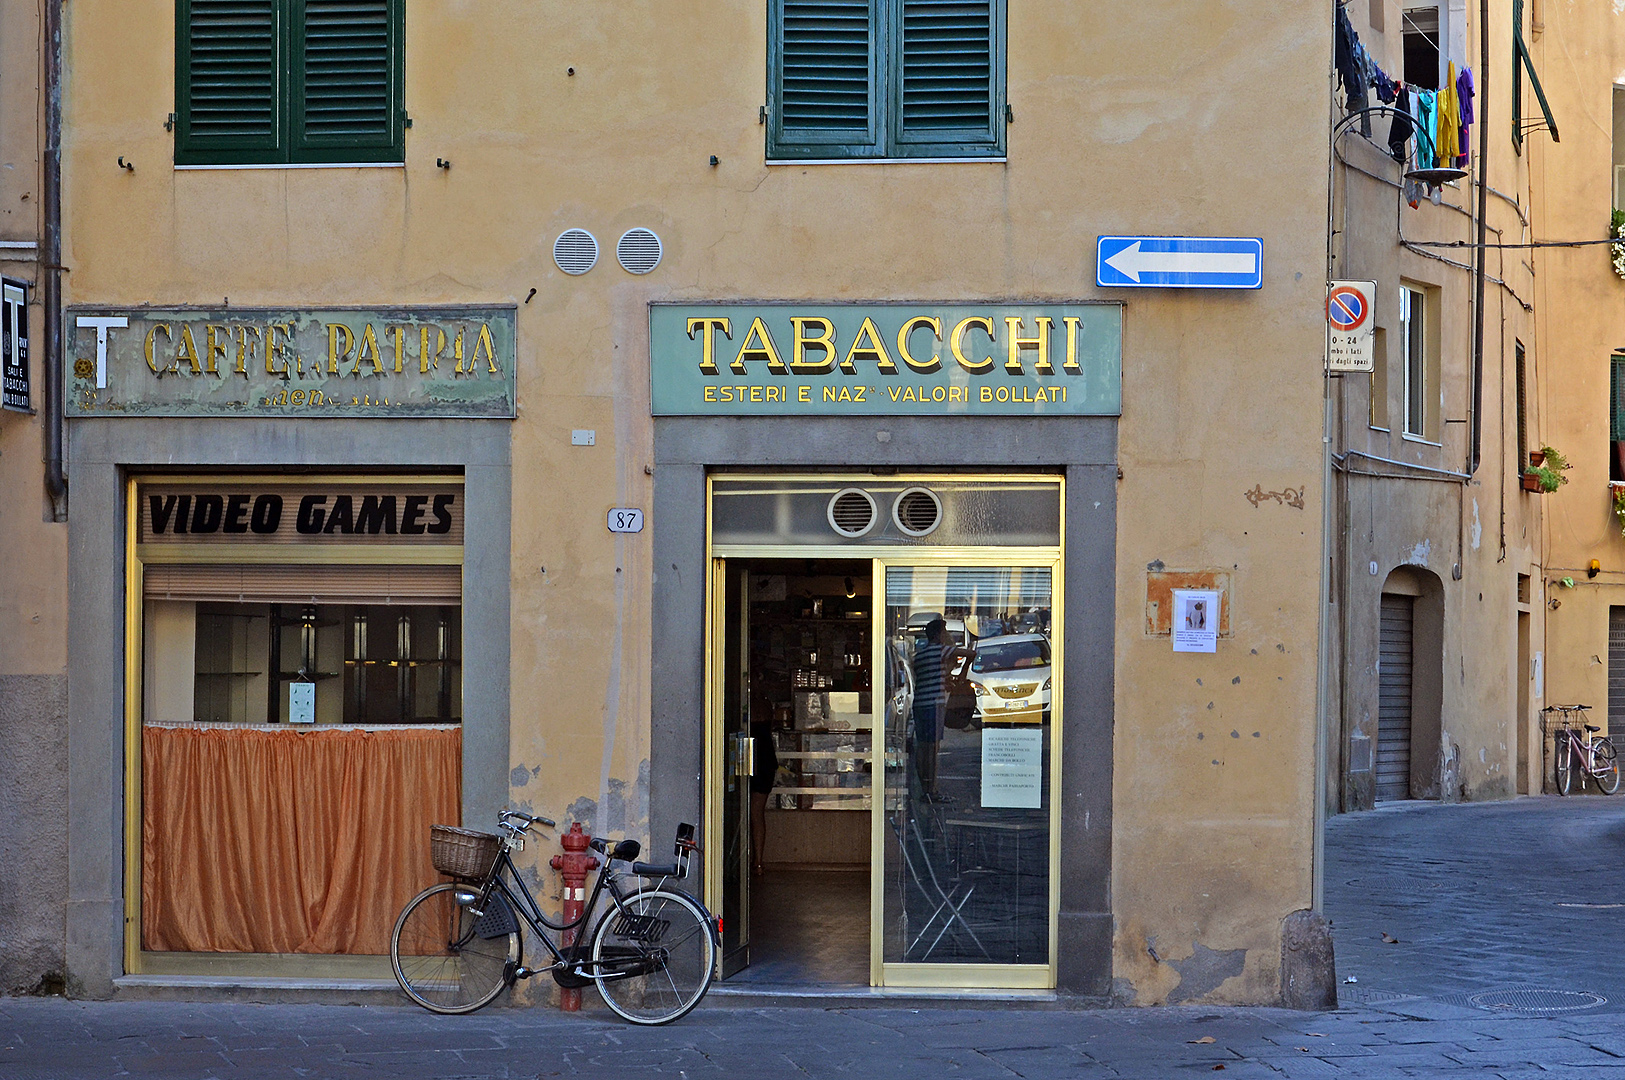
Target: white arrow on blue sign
<point x="1180" y="262"/>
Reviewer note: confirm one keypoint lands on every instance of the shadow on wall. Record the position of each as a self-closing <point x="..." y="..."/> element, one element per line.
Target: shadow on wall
<point x="34" y="806"/>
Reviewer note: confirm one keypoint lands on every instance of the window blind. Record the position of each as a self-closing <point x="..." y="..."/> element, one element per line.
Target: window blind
<point x="276" y="583"/>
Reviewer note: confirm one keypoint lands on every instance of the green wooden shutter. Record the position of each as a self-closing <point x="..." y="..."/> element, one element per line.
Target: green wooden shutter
<point x="228" y="85"/>
<point x="346" y="81"/>
<point x="1616" y="398"/>
<point x="949" y="97"/>
<point x="823" y="85"/>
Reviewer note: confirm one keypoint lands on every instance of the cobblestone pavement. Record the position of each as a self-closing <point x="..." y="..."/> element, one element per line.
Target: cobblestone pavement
<point x="1504" y="965"/>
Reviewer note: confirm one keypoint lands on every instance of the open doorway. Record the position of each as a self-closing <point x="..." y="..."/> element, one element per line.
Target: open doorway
<point x="799" y="722"/>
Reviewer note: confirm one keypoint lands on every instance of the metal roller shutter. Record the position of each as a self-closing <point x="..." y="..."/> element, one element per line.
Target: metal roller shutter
<point x="1393" y="772"/>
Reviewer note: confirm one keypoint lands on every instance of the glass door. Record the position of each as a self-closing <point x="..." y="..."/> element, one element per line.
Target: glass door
<point x="964" y="883"/>
<point x="737" y="757"/>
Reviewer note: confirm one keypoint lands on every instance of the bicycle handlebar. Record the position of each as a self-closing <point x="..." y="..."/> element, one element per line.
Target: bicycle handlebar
<point x="529" y="819"/>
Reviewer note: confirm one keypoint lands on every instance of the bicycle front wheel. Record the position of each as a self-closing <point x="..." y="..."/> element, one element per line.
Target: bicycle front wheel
<point x="1607" y="772"/>
<point x="1563" y="766"/>
<point x="448" y="959"/>
<point x="657" y="954"/>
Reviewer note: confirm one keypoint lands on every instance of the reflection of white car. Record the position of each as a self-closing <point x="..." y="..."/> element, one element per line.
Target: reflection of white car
<point x="900" y="683"/>
<point x="1010" y="676"/>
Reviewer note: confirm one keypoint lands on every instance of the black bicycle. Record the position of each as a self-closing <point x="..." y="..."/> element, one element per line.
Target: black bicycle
<point x="459" y="944"/>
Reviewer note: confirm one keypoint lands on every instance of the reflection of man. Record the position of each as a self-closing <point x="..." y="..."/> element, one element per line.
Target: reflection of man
<point x="930" y="701"/>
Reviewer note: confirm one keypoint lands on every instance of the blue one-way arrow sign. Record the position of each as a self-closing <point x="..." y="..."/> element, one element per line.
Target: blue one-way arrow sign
<point x="1180" y="262"/>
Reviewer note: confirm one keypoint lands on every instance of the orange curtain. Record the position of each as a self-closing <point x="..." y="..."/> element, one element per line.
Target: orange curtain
<point x="289" y="841"/>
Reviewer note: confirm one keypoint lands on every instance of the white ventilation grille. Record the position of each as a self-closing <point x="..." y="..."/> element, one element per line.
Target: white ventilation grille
<point x="639" y="251"/>
<point x="917" y="511"/>
<point x="576" y="251"/>
<point x="852" y="512"/>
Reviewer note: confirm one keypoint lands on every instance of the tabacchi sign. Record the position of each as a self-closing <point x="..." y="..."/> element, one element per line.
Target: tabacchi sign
<point x="792" y="359"/>
<point x="350" y="363"/>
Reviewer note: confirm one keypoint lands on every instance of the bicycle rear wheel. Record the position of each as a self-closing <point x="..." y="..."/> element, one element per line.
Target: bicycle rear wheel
<point x="660" y="954"/>
<point x="1563" y="765"/>
<point x="448" y="959"/>
<point x="1607" y="768"/>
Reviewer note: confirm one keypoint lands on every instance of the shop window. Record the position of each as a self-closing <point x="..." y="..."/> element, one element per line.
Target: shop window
<point x="886" y="79"/>
<point x="1419" y="349"/>
<point x="1421" y="43"/>
<point x="265" y="82"/>
<point x="1523" y="64"/>
<point x="299" y="657"/>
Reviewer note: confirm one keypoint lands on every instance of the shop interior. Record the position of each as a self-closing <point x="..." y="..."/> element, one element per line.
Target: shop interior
<point x="803" y="666"/>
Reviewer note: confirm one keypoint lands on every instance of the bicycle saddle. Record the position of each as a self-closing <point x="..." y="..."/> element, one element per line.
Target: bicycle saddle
<point x="1593" y="727"/>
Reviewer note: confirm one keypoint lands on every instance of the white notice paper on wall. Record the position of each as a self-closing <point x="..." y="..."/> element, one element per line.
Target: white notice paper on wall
<point x="1013" y="768"/>
<point x="1196" y="620"/>
<point x="302" y="703"/>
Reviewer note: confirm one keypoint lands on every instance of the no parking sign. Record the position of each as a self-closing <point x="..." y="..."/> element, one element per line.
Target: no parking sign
<point x="1351" y="322"/>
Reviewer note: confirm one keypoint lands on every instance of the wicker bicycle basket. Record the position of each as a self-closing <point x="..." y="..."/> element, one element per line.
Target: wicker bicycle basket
<point x="462" y="853"/>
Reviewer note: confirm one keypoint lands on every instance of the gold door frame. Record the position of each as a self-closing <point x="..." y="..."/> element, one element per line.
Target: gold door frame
<point x="883" y="557"/>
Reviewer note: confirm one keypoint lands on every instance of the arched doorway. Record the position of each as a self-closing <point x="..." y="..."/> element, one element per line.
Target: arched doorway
<point x="1410" y="640"/>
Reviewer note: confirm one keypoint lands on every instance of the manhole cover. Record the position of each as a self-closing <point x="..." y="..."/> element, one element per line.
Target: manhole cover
<point x="1535" y="1000"/>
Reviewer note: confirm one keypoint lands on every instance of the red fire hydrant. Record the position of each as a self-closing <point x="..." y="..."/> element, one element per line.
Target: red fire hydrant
<point x="574" y="866"/>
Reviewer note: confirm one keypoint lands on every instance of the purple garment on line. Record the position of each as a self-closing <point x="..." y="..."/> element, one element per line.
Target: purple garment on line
<point x="1464" y="94"/>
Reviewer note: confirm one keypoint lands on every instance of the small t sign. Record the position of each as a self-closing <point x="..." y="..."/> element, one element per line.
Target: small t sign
<point x="625" y="519"/>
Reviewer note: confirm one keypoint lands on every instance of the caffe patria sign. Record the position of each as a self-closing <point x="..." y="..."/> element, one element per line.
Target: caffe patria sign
<point x="351" y="362"/>
<point x="794" y="359"/>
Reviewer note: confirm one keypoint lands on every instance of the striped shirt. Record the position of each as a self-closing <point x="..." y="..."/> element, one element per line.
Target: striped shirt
<point x="929" y="687"/>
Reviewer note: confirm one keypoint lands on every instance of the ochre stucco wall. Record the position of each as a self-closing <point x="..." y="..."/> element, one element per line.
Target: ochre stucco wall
<point x="1130" y="118"/>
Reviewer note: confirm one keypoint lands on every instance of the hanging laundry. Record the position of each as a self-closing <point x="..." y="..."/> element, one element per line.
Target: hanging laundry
<point x="1349" y="68"/>
<point x="1427" y="114"/>
<point x="1464" y="94"/>
<point x="1447" y="131"/>
<point x="1399" y="133"/>
<point x="1387" y="89"/>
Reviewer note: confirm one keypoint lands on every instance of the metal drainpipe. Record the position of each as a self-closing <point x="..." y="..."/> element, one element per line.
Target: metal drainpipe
<point x="1483" y="99"/>
<point x="56" y="484"/>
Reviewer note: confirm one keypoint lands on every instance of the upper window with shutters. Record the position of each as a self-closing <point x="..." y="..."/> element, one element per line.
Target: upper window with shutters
<point x="289" y="82"/>
<point x="885" y="79"/>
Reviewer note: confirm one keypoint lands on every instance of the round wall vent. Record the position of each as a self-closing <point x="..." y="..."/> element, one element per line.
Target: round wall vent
<point x="576" y="251"/>
<point x="852" y="512"/>
<point x="917" y="511"/>
<point x="638" y="251"/>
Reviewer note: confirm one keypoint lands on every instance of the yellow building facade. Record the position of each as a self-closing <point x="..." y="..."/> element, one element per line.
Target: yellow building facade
<point x="1576" y="408"/>
<point x="352" y="409"/>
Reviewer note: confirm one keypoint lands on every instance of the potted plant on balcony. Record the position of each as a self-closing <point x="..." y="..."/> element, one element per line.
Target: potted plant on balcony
<point x="1545" y="470"/>
<point x="1618" y="491"/>
<point x="1616" y="252"/>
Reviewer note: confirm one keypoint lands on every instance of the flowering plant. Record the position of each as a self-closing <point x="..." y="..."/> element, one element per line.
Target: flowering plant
<point x="1619" y="507"/>
<point x="1616" y="230"/>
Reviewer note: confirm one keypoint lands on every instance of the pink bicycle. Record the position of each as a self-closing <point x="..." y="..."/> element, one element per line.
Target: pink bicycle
<point x="1579" y="751"/>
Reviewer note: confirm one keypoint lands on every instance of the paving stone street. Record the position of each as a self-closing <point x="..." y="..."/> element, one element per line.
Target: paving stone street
<point x="1504" y="963"/>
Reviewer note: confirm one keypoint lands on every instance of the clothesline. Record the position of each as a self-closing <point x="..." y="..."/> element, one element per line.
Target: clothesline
<point x="1444" y="116"/>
